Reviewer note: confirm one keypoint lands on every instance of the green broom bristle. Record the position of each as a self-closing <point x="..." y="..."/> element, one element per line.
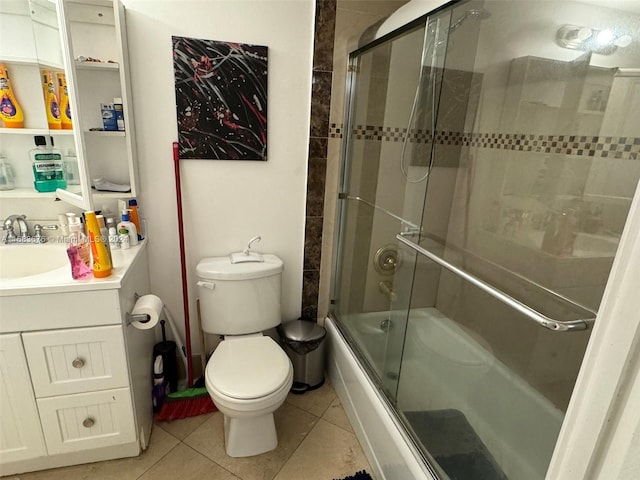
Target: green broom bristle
<point x="187" y="403"/>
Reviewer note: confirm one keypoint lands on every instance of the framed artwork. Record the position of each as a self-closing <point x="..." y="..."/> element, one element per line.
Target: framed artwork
<point x="221" y="99"/>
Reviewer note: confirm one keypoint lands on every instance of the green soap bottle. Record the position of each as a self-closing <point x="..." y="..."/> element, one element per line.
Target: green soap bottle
<point x="47" y="166"/>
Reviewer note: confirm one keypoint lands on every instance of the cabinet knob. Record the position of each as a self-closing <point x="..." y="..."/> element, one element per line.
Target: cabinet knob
<point x="88" y="422"/>
<point x="77" y="363"/>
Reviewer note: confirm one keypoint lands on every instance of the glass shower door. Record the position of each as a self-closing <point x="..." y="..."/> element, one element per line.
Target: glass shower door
<point x="522" y="224"/>
<point x="394" y="92"/>
<point x="489" y="169"/>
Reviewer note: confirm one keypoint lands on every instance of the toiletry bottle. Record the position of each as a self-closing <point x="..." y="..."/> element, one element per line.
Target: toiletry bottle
<point x="135" y="216"/>
<point x="130" y="226"/>
<point x="10" y="111"/>
<point x="79" y="269"/>
<point x="78" y="239"/>
<point x="125" y="240"/>
<point x="72" y="174"/>
<point x="46" y="165"/>
<point x="51" y="100"/>
<point x="104" y="233"/>
<point x="114" y="241"/>
<point x="6" y="175"/>
<point x="101" y="262"/>
<point x="119" y="112"/>
<point x="63" y="96"/>
<point x="61" y="177"/>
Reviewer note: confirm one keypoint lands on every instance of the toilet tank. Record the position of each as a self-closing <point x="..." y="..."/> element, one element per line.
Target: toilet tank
<point x="239" y="298"/>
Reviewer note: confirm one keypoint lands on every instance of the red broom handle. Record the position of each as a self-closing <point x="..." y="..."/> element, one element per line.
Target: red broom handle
<point x="183" y="264"/>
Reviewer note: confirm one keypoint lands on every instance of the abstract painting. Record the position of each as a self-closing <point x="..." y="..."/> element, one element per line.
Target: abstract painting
<point x="221" y="99"/>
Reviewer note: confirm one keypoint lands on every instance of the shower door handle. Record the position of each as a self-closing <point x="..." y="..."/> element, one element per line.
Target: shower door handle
<point x="539" y="318"/>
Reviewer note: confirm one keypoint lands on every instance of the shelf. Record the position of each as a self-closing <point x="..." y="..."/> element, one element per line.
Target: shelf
<point x="106" y="133"/>
<point x="31" y="62"/>
<point x="29" y="192"/>
<point x="97" y="66"/>
<point x="34" y="131"/>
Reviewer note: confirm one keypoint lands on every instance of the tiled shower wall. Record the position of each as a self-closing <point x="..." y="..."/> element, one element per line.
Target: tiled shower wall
<point x="339" y="25"/>
<point x="317" y="162"/>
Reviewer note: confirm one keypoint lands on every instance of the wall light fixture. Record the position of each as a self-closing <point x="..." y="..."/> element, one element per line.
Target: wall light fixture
<point x="603" y="42"/>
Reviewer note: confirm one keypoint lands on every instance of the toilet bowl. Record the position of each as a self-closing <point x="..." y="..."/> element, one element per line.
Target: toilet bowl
<point x="248" y="377"/>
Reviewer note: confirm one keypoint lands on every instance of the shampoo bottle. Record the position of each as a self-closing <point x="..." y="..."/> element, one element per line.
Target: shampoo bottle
<point x="101" y="262"/>
<point x="51" y="100"/>
<point x="130" y="227"/>
<point x="114" y="240"/>
<point x="125" y="240"/>
<point x="63" y="96"/>
<point x="134" y="215"/>
<point x="10" y="111"/>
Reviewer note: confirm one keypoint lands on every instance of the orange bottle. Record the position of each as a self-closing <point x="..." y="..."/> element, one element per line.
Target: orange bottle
<point x="63" y="96"/>
<point x="51" y="101"/>
<point x="101" y="263"/>
<point x="10" y="111"/>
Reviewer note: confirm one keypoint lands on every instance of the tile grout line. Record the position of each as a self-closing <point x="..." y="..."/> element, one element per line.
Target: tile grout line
<point x="161" y="458"/>
<point x="301" y="442"/>
<point x="212" y="461"/>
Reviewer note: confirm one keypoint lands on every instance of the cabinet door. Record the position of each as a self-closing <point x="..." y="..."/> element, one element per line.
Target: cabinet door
<point x="20" y="433"/>
<point x="76" y="360"/>
<point x="72" y="423"/>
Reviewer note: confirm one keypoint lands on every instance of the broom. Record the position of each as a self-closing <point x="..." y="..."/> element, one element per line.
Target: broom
<point x="192" y="401"/>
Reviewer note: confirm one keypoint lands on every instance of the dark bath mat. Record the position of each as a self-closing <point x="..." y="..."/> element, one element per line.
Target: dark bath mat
<point x="362" y="475"/>
<point x="455" y="445"/>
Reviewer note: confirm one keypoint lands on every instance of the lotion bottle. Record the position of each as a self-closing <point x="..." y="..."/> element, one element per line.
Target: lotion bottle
<point x="79" y="240"/>
<point x="101" y="263"/>
<point x="130" y="227"/>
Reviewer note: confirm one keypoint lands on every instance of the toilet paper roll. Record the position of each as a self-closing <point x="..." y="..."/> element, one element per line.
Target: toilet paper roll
<point x="147" y="305"/>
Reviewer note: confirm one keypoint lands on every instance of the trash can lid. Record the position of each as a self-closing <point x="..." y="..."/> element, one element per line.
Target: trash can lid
<point x="302" y="331"/>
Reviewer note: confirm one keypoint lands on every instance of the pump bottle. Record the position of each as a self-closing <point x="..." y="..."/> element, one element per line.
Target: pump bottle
<point x="130" y="227"/>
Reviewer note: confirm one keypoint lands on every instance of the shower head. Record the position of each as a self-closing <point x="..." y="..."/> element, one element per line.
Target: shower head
<point x="474" y="13"/>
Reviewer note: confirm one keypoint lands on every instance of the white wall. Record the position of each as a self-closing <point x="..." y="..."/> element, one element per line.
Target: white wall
<point x="225" y="203"/>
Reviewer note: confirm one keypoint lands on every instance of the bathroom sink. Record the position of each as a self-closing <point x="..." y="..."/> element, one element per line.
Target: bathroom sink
<point x="18" y="261"/>
<point x="584" y="245"/>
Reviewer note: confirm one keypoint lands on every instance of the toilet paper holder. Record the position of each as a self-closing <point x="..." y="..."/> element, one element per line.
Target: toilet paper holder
<point x="137" y="317"/>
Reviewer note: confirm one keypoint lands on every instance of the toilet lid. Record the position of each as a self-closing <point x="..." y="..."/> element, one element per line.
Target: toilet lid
<point x="247" y="368"/>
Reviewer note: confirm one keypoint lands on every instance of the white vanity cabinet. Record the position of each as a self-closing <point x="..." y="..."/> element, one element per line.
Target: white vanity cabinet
<point x="21" y="437"/>
<point x="51" y="35"/>
<point x="75" y="377"/>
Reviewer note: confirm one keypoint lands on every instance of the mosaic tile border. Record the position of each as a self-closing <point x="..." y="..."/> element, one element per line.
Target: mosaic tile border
<point x="626" y="148"/>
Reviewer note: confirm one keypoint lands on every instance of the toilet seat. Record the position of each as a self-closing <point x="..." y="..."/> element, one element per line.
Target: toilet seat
<point x="247" y="368"/>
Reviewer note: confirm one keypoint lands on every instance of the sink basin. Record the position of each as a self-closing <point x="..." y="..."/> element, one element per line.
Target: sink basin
<point x="584" y="245"/>
<point x="17" y="261"/>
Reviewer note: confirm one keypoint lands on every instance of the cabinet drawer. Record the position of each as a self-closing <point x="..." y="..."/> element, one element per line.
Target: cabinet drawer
<point x="72" y="423"/>
<point x="76" y="360"/>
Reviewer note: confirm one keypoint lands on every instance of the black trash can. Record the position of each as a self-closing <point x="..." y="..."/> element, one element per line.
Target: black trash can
<point x="303" y="341"/>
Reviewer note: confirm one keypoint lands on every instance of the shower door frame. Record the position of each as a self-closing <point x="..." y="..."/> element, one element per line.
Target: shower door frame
<point x="608" y="383"/>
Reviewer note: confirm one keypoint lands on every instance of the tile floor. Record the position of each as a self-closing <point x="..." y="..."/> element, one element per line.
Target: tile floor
<point x="316" y="442"/>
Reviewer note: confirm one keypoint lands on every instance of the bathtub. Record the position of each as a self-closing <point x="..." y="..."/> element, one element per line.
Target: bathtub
<point x="492" y="397"/>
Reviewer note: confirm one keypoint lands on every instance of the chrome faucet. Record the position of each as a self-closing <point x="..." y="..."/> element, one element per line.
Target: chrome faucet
<point x="11" y="236"/>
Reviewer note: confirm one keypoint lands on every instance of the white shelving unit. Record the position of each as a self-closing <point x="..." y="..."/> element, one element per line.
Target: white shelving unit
<point x="51" y="35"/>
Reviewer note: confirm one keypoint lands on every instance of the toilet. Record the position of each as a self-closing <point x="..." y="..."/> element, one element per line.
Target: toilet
<point x="248" y="375"/>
